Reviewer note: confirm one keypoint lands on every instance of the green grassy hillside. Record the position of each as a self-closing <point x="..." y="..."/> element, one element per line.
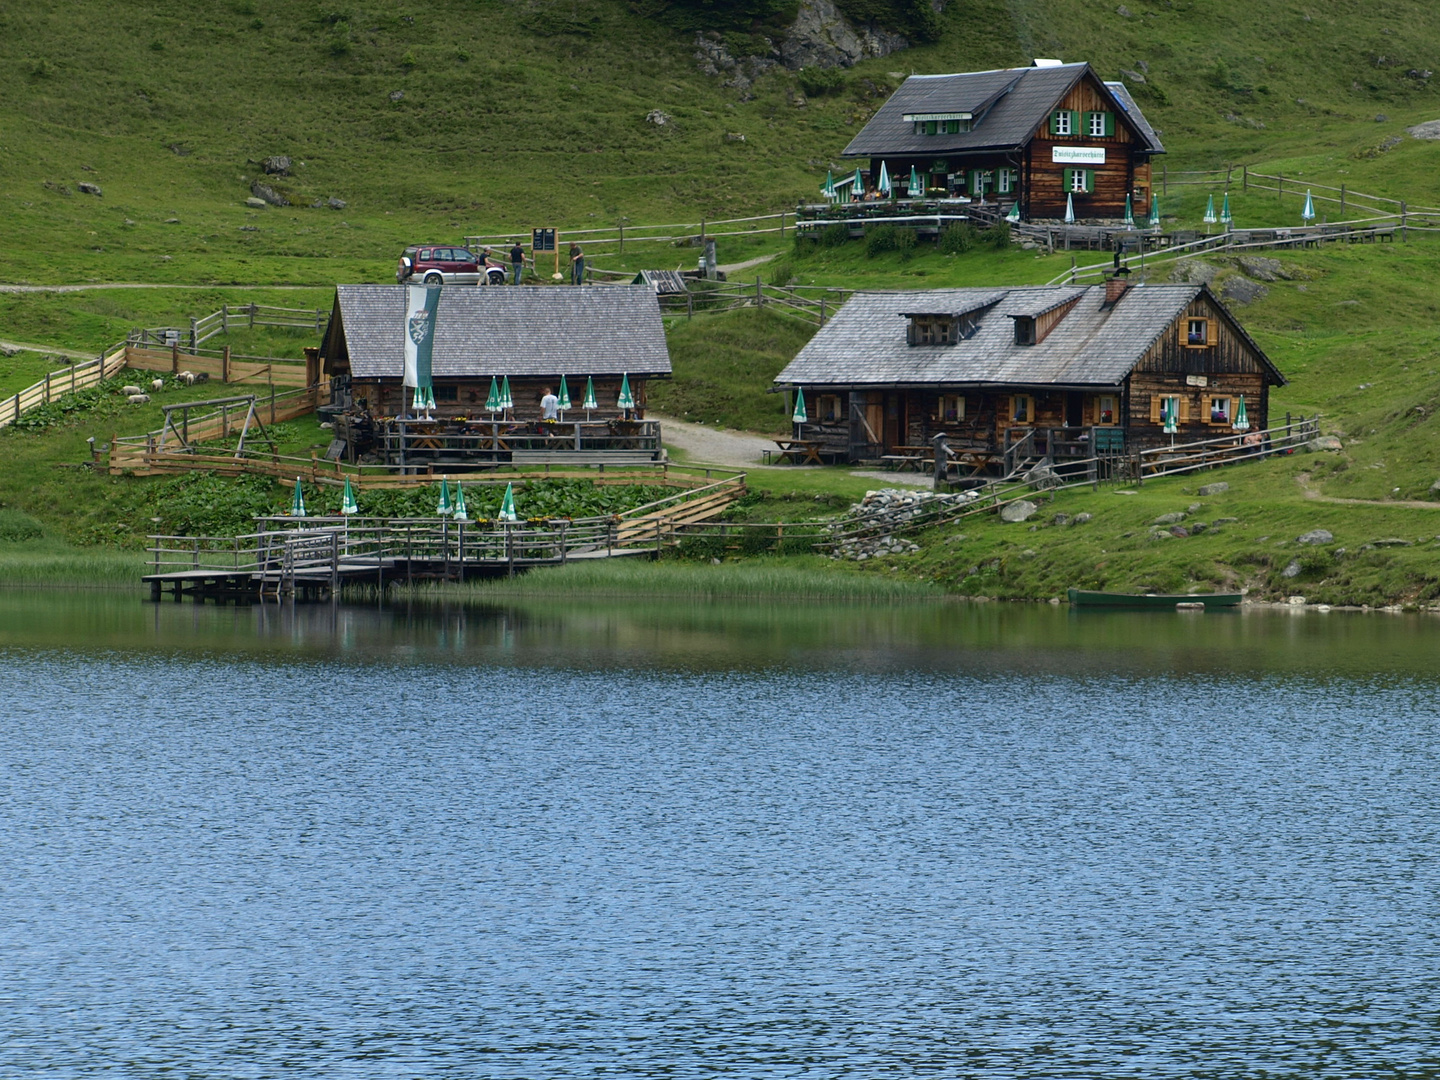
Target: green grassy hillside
<point x="475" y="115"/>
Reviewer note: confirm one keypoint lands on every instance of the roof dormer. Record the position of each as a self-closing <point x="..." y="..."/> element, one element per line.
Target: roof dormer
<point x="939" y="327"/>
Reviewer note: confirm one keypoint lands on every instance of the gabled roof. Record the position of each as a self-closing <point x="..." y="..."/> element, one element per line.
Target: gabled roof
<point x="1093" y="345"/>
<point x="1009" y="105"/>
<point x="484" y="331"/>
<point x="1126" y="102"/>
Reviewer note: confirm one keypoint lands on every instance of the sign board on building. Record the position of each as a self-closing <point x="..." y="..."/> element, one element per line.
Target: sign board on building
<point x="1077" y="155"/>
<point x="1196" y="380"/>
<point x="542" y="239"/>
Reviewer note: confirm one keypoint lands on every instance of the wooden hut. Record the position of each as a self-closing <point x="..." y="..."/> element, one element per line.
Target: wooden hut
<point x="1069" y="369"/>
<point x="1031" y="136"/>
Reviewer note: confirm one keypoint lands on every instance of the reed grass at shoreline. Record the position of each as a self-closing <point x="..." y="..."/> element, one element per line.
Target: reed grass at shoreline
<point x="71" y="569"/>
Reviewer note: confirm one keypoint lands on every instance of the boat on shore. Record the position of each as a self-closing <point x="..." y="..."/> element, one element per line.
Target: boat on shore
<point x="1094" y="599"/>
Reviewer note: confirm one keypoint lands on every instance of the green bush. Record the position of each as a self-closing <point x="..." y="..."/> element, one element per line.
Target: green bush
<point x="833" y="236"/>
<point x="781" y="271"/>
<point x="997" y="236"/>
<point x="16" y="527"/>
<point x="958" y="238"/>
<point x="817" y="82"/>
<point x="885" y="238"/>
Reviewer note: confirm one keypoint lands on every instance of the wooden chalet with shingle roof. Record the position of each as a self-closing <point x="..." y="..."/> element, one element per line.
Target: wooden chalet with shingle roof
<point x="531" y="335"/>
<point x="611" y="334"/>
<point x="1074" y="369"/>
<point x="1030" y="136"/>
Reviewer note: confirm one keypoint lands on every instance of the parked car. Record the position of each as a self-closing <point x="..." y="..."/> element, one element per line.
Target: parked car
<point x="438" y="266"/>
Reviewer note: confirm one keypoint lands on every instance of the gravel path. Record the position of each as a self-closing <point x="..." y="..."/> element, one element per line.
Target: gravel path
<point x="49" y="349"/>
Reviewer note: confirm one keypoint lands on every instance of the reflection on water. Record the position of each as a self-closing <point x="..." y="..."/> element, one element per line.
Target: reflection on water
<point x="654" y="839"/>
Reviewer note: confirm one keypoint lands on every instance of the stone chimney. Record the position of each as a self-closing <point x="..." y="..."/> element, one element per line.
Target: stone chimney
<point x="1116" y="287"/>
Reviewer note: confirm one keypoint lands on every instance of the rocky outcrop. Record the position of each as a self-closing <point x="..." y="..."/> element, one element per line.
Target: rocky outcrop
<point x="822" y="37"/>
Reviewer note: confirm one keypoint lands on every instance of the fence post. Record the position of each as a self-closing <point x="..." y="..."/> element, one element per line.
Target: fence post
<point x="622" y="237"/>
<point x="1342" y="202"/>
<point x="252" y="316"/>
<point x="225" y="365"/>
<point x="1403" y="212"/>
<point x="1164" y="179"/>
<point x="47" y="388"/>
<point x="194" y="334"/>
<point x="759" y="297"/>
<point x="1244" y="177"/>
<point x="175" y="358"/>
<point x="225" y="318"/>
<point x="782" y="224"/>
<point x="822" y="311"/>
<point x="689" y="304"/>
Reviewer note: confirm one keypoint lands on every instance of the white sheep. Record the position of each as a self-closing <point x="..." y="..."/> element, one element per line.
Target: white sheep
<point x="138" y="399"/>
<point x="128" y="390"/>
<point x="186" y="377"/>
<point x="156" y="385"/>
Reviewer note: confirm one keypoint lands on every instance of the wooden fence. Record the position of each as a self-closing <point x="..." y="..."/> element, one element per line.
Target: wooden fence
<point x="600" y="240"/>
<point x="228" y="317"/>
<point x="56" y="384"/>
<point x="814" y="304"/>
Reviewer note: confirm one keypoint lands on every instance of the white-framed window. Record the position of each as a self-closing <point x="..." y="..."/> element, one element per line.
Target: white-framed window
<point x="952" y="408"/>
<point x="1062" y="122"/>
<point x="1099" y="125"/>
<point x="1105" y="412"/>
<point x="1022" y="408"/>
<point x="1079" y="181"/>
<point x="1005" y="180"/>
<point x="1220" y="410"/>
<point x="1198" y="334"/>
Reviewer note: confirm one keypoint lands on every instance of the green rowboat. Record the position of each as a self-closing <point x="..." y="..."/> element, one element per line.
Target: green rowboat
<point x="1090" y="598"/>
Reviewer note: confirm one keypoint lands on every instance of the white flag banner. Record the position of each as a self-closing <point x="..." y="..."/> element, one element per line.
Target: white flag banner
<point x="420" y="333"/>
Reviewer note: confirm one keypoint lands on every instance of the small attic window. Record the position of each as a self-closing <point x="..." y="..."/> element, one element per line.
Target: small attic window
<point x="938" y="329"/>
<point x="1024" y="330"/>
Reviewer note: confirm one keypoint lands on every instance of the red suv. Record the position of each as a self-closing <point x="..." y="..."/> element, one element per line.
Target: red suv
<point x="439" y="266"/>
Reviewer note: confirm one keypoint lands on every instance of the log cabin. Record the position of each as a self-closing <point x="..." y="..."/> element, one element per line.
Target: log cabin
<point x="1075" y="370"/>
<point x="1027" y="136"/>
<point x="611" y="334"/>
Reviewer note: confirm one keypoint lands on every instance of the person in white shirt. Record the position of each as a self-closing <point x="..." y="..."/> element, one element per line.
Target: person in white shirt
<point x="549" y="406"/>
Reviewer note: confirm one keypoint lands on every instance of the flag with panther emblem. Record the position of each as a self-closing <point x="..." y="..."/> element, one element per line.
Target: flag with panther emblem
<point x="420" y="334"/>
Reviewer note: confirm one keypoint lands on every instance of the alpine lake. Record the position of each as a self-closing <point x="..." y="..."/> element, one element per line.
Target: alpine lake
<point x="595" y="837"/>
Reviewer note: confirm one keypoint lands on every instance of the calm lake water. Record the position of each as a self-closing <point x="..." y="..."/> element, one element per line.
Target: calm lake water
<point x="598" y="839"/>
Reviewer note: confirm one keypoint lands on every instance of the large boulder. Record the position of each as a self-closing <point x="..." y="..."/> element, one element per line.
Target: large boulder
<point x="1173" y="518"/>
<point x="1323" y="443"/>
<point x="1316" y="536"/>
<point x="822" y="37"/>
<point x="1261" y="268"/>
<point x="268" y="194"/>
<point x="1241" y="290"/>
<point x="279" y="165"/>
<point x="1217" y="488"/>
<point x="1017" y="511"/>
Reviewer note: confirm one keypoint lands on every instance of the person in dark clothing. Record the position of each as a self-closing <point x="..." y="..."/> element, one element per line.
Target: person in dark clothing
<point x="577" y="264"/>
<point x="517" y="263"/>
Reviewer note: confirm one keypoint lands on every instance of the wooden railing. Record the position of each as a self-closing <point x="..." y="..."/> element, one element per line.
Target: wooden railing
<point x="205" y="327"/>
<point x="814" y="304"/>
<point x="56" y="384"/>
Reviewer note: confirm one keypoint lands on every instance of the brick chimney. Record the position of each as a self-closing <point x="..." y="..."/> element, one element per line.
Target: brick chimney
<point x="1115" y="287"/>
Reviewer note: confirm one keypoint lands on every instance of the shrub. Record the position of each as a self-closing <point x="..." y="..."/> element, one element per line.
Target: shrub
<point x="833" y="236"/>
<point x="885" y="238"/>
<point x="817" y="82"/>
<point x="782" y="271"/>
<point x="957" y="238"/>
<point x="997" y="236"/>
<point x="16" y="527"/>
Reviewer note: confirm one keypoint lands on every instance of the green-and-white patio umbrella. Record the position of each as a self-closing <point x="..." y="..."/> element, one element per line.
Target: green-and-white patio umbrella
<point x="1154" y="211"/>
<point x="444" y="507"/>
<point x="590" y="402"/>
<point x="506" y="401"/>
<point x="1242" y="422"/>
<point x="1225" y="218"/>
<point x="799" y="416"/>
<point x="884" y="185"/>
<point x="1129" y="212"/>
<point x="857" y="186"/>
<point x="1170" y="413"/>
<point x="507" y="505"/>
<point x="1069" y="209"/>
<point x="348" y="505"/>
<point x="297" y="500"/>
<point x="626" y="400"/>
<point x="492" y="403"/>
<point x="1210" y="217"/>
<point x="460" y="514"/>
<point x="1014" y="215"/>
<point x="827" y="189"/>
<point x="564" y="402"/>
<point x="1307" y="215"/>
<point x="917" y="189"/>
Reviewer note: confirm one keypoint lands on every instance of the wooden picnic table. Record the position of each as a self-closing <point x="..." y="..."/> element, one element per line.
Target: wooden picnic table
<point x="801" y="451"/>
<point x="909" y="458"/>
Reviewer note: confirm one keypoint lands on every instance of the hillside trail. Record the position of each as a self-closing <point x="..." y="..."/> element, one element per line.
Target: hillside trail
<point x="1310" y="493"/>
<point x="759" y="260"/>
<point x="705" y="445"/>
<point x="51" y="350"/>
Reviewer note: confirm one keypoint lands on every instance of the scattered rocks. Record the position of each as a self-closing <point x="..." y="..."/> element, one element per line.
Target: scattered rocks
<point x="1241" y="290"/>
<point x="254" y="203"/>
<point x="1263" y="269"/>
<point x="397" y="95"/>
<point x="1225" y="521"/>
<point x="1131" y="76"/>
<point x="1435" y="488"/>
<point x="734" y="136"/>
<point x="1173" y="518"/>
<point x="268" y="194"/>
<point x="1179" y="531"/>
<point x="1430" y="129"/>
<point x="279" y="165"/>
<point x="1060" y="519"/>
<point x="1389" y="541"/>
<point x="1082" y="519"/>
<point x="658" y="117"/>
<point x="1292" y="569"/>
<point x="1194" y="272"/>
<point x="1316" y="536"/>
<point x="1296" y="601"/>
<point x="9" y="350"/>
<point x="1217" y="488"/>
<point x="1017" y="511"/>
<point x="87" y="188"/>
<point x="875" y="519"/>
<point x="1198" y="527"/>
<point x="1323" y="443"/>
<point x="1381" y="118"/>
<point x="336" y="204"/>
<point x="821" y="36"/>
<point x="1123" y="11"/>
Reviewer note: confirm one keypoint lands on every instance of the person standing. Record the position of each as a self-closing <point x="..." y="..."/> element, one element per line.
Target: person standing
<point x="517" y="263"/>
<point x="549" y="406"/>
<point x="577" y="264"/>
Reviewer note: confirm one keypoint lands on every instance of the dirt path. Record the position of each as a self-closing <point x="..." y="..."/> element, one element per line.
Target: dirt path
<point x="74" y="354"/>
<point x="1310" y="493"/>
<point x="759" y="260"/>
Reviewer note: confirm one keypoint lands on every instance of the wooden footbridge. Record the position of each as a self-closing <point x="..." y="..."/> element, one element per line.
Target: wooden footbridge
<point x="317" y="558"/>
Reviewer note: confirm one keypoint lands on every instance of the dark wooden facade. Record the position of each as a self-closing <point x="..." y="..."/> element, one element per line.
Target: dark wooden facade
<point x="465" y="397"/>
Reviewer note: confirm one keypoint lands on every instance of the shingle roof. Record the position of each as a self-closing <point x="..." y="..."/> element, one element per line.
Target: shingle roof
<point x="1022" y="99"/>
<point x="584" y="330"/>
<point x="1093" y="345"/>
<point x="1132" y="110"/>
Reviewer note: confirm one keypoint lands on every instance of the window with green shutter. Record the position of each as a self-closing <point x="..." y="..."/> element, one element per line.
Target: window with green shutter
<point x="1080" y="181"/>
<point x="1064" y="122"/>
<point x="1099" y="125"/>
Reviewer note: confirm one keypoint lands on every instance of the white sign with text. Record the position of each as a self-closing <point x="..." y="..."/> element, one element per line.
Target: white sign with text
<point x="1077" y="155"/>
